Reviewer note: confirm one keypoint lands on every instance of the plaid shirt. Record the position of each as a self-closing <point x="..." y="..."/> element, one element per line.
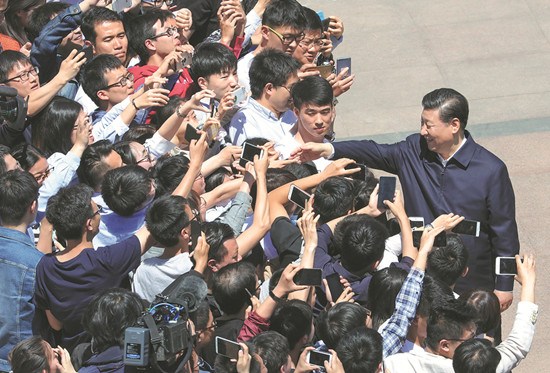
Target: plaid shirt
<point x="395" y="330"/>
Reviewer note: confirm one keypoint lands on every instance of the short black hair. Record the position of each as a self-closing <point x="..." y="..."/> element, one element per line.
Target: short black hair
<point x="487" y="307"/>
<point x="476" y="355"/>
<point x="273" y="349"/>
<point x="361" y="351"/>
<point x="4" y="150"/>
<point x="360" y="239"/>
<point x="333" y="198"/>
<point x="126" y="189"/>
<point x="139" y="133"/>
<point x="216" y="234"/>
<point x="384" y="287"/>
<point x="447" y="321"/>
<point x="142" y="28"/>
<point x="229" y="284"/>
<point x="168" y="173"/>
<point x="313" y="21"/>
<point x="27" y="155"/>
<point x="69" y="210"/>
<point x="450" y="104"/>
<point x="41" y="16"/>
<point x="165" y="219"/>
<point x="124" y="149"/>
<point x="92" y="77"/>
<point x="210" y="59"/>
<point x="271" y="66"/>
<point x="8" y="60"/>
<point x="362" y="189"/>
<point x="293" y="320"/>
<point x="18" y="190"/>
<point x="29" y="356"/>
<point x="339" y="321"/>
<point x="314" y="90"/>
<point x="216" y="178"/>
<point x="94" y="16"/>
<point x="92" y="168"/>
<point x="284" y="13"/>
<point x="447" y="263"/>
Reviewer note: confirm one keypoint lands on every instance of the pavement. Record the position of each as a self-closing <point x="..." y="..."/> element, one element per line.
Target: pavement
<point x="496" y="53"/>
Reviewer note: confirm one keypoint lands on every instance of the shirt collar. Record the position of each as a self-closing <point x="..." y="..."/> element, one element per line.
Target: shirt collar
<point x="445" y="161"/>
<point x="462" y="157"/>
<point x="263" y="110"/>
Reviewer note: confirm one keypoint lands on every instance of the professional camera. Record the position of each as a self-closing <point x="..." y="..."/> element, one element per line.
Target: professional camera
<point x="163" y="334"/>
<point x="13" y="108"/>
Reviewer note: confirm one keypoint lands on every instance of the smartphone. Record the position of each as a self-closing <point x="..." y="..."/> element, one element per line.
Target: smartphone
<point x="298" y="196"/>
<point x="416" y="221"/>
<point x="324" y="70"/>
<point x="335" y="286"/>
<point x="506" y="266"/>
<point x="196" y="232"/>
<point x="469" y="227"/>
<point x="239" y="94"/>
<point x="342" y="63"/>
<point x="120" y="5"/>
<point x="439" y="241"/>
<point x="213" y="107"/>
<point x="386" y="191"/>
<point x="186" y="59"/>
<point x="227" y="348"/>
<point x="361" y="175"/>
<point x="88" y="52"/>
<point x="191" y="133"/>
<point x="309" y="277"/>
<point x="248" y="153"/>
<point x="318" y="358"/>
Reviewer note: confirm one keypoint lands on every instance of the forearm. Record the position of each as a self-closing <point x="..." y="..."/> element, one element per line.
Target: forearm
<point x="407" y="246"/>
<point x="260" y="225"/>
<point x="184" y="187"/>
<point x="169" y="128"/>
<point x="221" y="193"/>
<point x="39" y="98"/>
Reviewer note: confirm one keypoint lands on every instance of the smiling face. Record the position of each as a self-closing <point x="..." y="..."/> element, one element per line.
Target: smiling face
<point x="309" y="47"/>
<point x="220" y="83"/>
<point x="440" y="136"/>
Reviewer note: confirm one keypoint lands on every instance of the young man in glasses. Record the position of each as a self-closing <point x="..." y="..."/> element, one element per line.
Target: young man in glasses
<point x="283" y="25"/>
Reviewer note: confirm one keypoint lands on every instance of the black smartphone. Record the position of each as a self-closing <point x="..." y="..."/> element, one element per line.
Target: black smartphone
<point x="227" y="348"/>
<point x="386" y="191"/>
<point x="88" y="52"/>
<point x="361" y="175"/>
<point x="191" y="133"/>
<point x="439" y="241"/>
<point x="342" y="63"/>
<point x="309" y="277"/>
<point x="335" y="286"/>
<point x="469" y="227"/>
<point x="248" y="153"/>
<point x="196" y="232"/>
<point x="213" y="107"/>
<point x="298" y="196"/>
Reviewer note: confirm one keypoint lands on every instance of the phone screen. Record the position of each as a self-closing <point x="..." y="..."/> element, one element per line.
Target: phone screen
<point x="191" y="133"/>
<point x="416" y="221"/>
<point x="335" y="286"/>
<point x="249" y="151"/>
<point x="386" y="190"/>
<point x="309" y="276"/>
<point x="342" y="63"/>
<point x="196" y="232"/>
<point x="298" y="196"/>
<point x="318" y="358"/>
<point x="469" y="227"/>
<point x="227" y="348"/>
<point x="508" y="266"/>
<point x="361" y="175"/>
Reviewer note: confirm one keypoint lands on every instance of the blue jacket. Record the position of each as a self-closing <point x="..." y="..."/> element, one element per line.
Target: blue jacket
<point x="18" y="260"/>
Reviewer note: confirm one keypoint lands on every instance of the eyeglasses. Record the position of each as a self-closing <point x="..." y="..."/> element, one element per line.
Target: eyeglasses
<point x="308" y="43"/>
<point x="146" y="156"/>
<point x="123" y="82"/>
<point x="289" y="89"/>
<point x="41" y="176"/>
<point x="289" y="38"/>
<point x="170" y="32"/>
<point x="214" y="325"/>
<point x="98" y="211"/>
<point x="158" y="3"/>
<point x="24" y="76"/>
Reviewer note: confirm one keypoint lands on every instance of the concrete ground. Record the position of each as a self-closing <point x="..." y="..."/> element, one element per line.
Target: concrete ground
<point x="496" y="53"/>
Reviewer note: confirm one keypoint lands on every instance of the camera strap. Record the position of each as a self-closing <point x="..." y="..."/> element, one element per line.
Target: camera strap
<point x="152" y="326"/>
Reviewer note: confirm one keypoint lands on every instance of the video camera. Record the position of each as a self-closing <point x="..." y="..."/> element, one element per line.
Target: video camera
<point x="163" y="334"/>
<point x="13" y="108"/>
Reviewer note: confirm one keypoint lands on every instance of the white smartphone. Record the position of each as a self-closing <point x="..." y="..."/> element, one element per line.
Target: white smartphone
<point x="506" y="266"/>
<point x="469" y="227"/>
<point x="416" y="222"/>
<point x="318" y="358"/>
<point x="120" y="5"/>
<point x="298" y="196"/>
<point x="239" y="94"/>
<point x="227" y="348"/>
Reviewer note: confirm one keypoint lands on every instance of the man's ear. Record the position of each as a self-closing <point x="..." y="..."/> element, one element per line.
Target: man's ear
<point x="264" y="32"/>
<point x="102" y="95"/>
<point x="465" y="272"/>
<point x="150" y="45"/>
<point x="212" y="265"/>
<point x="444" y="347"/>
<point x="269" y="89"/>
<point x="33" y="208"/>
<point x="376" y="264"/>
<point x="202" y="82"/>
<point x="455" y="124"/>
<point x="89" y="44"/>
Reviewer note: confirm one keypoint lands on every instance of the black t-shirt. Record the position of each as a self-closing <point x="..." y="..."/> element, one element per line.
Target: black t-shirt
<point x="205" y="19"/>
<point x="287" y="239"/>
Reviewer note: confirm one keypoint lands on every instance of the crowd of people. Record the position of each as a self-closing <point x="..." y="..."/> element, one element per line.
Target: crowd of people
<point x="123" y="175"/>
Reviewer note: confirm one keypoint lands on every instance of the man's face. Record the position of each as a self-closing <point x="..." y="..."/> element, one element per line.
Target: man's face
<point x="280" y="100"/>
<point x="166" y="37"/>
<point x="142" y="155"/>
<point x="117" y="92"/>
<point x="73" y="40"/>
<point x="283" y="38"/>
<point x="308" y="48"/>
<point x="315" y="120"/>
<point x="113" y="160"/>
<point x="222" y="83"/>
<point x="111" y="39"/>
<point x="468" y="333"/>
<point x="25" y="79"/>
<point x="11" y="163"/>
<point x="438" y="134"/>
<point x="199" y="185"/>
<point x="232" y="255"/>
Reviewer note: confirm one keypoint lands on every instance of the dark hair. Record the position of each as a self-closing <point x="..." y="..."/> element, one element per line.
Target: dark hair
<point x="108" y="315"/>
<point x="29" y="356"/>
<point x="450" y="104"/>
<point x="271" y="66"/>
<point x="447" y="263"/>
<point x="168" y="173"/>
<point x="273" y="349"/>
<point x="126" y="189"/>
<point x="142" y="28"/>
<point x="293" y="320"/>
<point x="4" y="150"/>
<point x="216" y="178"/>
<point x="41" y="16"/>
<point x="361" y="242"/>
<point x="447" y="321"/>
<point x="92" y="77"/>
<point x="361" y="351"/>
<point x="276" y="177"/>
<point x="333" y="198"/>
<point x="476" y="355"/>
<point x="27" y="155"/>
<point x="362" y="189"/>
<point x="229" y="284"/>
<point x="301" y="170"/>
<point x="339" y="321"/>
<point x="165" y="219"/>
<point x="284" y="13"/>
<point x="8" y="60"/>
<point x="139" y="133"/>
<point x="487" y="307"/>
<point x="162" y="113"/>
<point x="92" y="168"/>
<point x="124" y="149"/>
<point x="223" y="364"/>
<point x="313" y="21"/>
<point x="383" y="289"/>
<point x="18" y="190"/>
<point x="69" y="209"/>
<point x="313" y="90"/>
<point x="13" y="26"/>
<point x="216" y="234"/>
<point x="433" y="292"/>
<point x="210" y="59"/>
<point x="53" y="126"/>
<point x="95" y="16"/>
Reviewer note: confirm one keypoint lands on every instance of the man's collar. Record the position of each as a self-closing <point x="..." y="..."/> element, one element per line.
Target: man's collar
<point x="262" y="109"/>
<point x="462" y="157"/>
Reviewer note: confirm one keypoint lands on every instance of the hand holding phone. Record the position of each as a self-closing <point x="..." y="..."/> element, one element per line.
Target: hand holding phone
<point x="469" y="227"/>
<point x="227" y="348"/>
<point x="386" y="191"/>
<point x="191" y="133"/>
<point x="318" y="358"/>
<point x="342" y="63"/>
<point x="309" y="277"/>
<point x="248" y="153"/>
<point x="335" y="286"/>
<point x="298" y="196"/>
<point x="506" y="266"/>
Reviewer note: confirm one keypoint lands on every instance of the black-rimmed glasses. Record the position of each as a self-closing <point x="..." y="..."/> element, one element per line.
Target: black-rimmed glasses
<point x="170" y="32"/>
<point x="289" y="38"/>
<point x="24" y="76"/>
<point x="128" y="78"/>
